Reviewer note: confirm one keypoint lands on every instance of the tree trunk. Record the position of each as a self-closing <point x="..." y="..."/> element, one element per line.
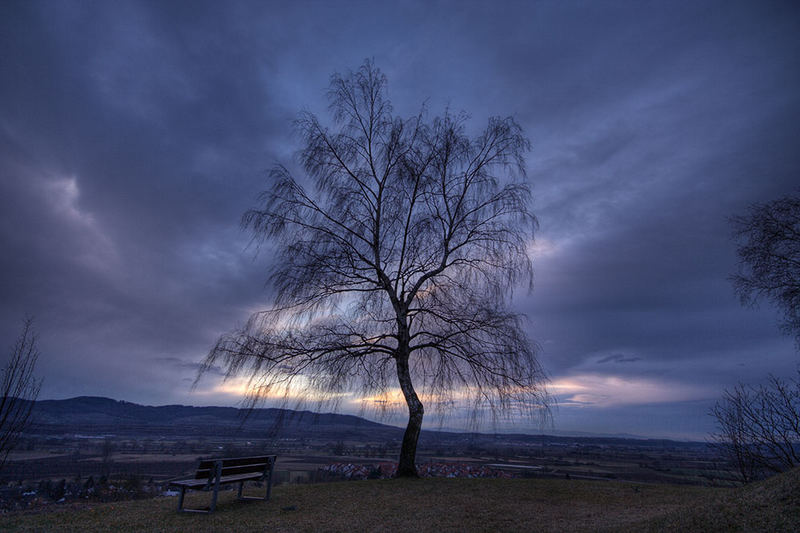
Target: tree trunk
<point x="408" y="452"/>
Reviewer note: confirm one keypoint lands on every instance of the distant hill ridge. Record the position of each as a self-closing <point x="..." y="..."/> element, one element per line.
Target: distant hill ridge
<point x="97" y="416"/>
<point x="92" y="414"/>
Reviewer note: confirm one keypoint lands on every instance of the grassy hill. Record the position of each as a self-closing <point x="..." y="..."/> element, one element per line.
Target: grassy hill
<point x="440" y="505"/>
<point x="770" y="505"/>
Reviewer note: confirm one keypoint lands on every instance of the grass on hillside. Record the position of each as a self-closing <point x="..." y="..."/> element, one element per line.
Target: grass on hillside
<point x="769" y="505"/>
<point x="451" y="505"/>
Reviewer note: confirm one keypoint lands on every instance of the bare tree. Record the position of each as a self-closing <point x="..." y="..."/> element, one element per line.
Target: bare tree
<point x="759" y="427"/>
<point x="19" y="389"/>
<point x="397" y="268"/>
<point x="769" y="258"/>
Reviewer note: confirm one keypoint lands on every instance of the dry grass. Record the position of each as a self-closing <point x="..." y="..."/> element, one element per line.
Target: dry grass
<point x="442" y="505"/>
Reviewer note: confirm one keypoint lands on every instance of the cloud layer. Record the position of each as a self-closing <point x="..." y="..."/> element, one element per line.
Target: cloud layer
<point x="134" y="134"/>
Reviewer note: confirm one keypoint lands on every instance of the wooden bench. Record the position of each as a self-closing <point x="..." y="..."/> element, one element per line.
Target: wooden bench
<point x="213" y="473"/>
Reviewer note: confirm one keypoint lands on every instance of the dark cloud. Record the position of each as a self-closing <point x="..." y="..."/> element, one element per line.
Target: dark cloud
<point x="618" y="358"/>
<point x="134" y="134"/>
<point x="191" y="365"/>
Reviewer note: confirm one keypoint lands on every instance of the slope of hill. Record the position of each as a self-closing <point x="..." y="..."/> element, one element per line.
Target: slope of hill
<point x="769" y="505"/>
<point x="465" y="505"/>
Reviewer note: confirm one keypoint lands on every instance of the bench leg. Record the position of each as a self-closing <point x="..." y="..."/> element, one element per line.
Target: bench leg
<point x="269" y="481"/>
<point x="217" y="476"/>
<point x="214" y="500"/>
<point x="241" y="485"/>
<point x="182" y="509"/>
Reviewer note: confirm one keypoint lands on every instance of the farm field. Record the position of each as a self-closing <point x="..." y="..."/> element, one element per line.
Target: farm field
<point x="301" y="461"/>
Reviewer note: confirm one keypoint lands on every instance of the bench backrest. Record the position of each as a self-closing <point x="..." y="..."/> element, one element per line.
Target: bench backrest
<point x="235" y="465"/>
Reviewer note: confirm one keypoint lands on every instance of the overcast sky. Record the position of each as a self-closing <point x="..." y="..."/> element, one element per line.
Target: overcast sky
<point x="134" y="134"/>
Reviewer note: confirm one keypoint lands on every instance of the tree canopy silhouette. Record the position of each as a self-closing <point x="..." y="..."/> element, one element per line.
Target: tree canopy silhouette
<point x="396" y="268"/>
<point x="769" y="258"/>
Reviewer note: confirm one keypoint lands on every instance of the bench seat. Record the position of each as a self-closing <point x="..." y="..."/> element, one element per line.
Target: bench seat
<point x="224" y="480"/>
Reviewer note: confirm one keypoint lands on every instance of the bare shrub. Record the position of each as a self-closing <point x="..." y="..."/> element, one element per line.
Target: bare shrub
<point x="19" y="389"/>
<point x="759" y="427"/>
